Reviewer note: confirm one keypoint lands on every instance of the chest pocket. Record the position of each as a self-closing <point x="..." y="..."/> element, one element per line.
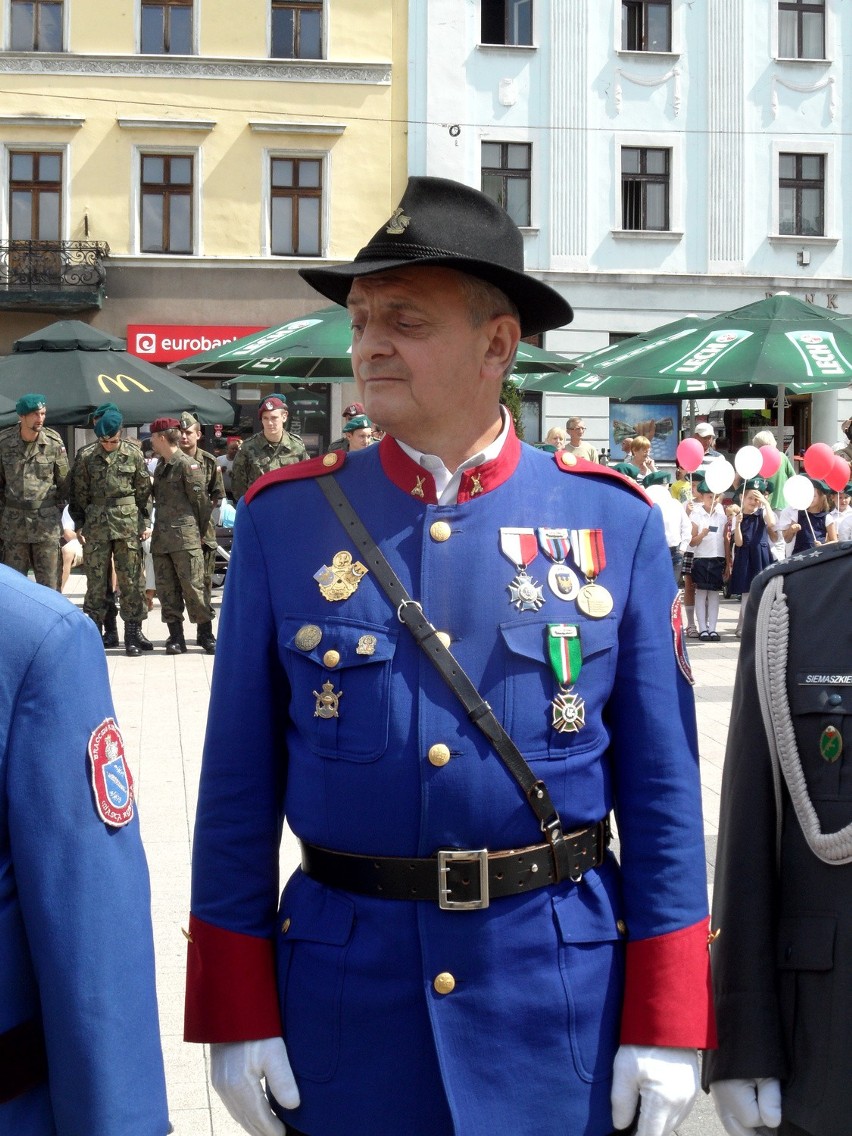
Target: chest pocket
<point x="530" y="686"/>
<point x="822" y="718"/>
<point x="340" y="687"/>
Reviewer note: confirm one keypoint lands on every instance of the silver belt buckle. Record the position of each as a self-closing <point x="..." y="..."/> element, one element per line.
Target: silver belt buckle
<point x="449" y="856"/>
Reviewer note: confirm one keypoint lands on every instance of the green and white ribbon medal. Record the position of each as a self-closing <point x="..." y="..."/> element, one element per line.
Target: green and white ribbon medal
<point x="566" y="659"/>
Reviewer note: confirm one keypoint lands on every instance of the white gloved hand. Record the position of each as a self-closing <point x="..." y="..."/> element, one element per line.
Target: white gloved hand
<point x="236" y="1070"/>
<point x="665" y="1078"/>
<point x="744" y="1105"/>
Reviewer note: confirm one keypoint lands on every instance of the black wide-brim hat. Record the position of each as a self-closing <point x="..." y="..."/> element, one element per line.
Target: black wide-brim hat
<point x="444" y="224"/>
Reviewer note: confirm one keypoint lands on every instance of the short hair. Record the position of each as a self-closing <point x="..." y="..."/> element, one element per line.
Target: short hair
<point x="172" y="435"/>
<point x="763" y="438"/>
<point x="639" y="442"/>
<point x="484" y="302"/>
<point x="574" y="421"/>
<point x="554" y="430"/>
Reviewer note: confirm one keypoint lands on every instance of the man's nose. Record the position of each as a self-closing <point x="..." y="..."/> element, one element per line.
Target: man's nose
<point x="374" y="341"/>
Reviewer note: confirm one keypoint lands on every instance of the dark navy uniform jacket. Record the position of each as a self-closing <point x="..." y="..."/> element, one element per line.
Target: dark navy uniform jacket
<point x="76" y="948"/>
<point x="545" y="984"/>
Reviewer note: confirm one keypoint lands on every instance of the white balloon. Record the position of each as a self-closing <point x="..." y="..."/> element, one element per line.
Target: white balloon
<point x="798" y="491"/>
<point x="748" y="462"/>
<point x="720" y="475"/>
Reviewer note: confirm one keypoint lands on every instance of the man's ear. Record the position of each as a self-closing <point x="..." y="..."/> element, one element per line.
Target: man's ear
<point x="504" y="336"/>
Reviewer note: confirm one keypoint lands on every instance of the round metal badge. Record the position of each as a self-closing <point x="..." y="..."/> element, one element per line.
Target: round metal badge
<point x="308" y="637"/>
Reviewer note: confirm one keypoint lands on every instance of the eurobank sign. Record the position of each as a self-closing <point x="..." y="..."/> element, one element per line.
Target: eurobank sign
<point x="166" y="343"/>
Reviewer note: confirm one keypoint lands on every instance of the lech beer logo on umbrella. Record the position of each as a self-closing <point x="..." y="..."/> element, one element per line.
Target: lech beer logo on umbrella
<point x="111" y="780"/>
<point x="711" y="349"/>
<point x="820" y="352"/>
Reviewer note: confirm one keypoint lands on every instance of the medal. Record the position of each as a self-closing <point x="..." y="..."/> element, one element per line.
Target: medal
<point x="587" y="548"/>
<point x="566" y="660"/>
<point x="830" y="744"/>
<point x="519" y="546"/>
<point x="308" y="637"/>
<point x="328" y="703"/>
<point x="341" y="580"/>
<point x="554" y="543"/>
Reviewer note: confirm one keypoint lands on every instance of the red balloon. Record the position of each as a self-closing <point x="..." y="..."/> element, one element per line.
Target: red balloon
<point x="771" y="461"/>
<point x="690" y="454"/>
<point x="819" y="460"/>
<point x="838" y="476"/>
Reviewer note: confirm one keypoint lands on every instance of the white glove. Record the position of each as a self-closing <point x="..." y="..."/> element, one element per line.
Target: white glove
<point x="666" y="1079"/>
<point x="236" y="1069"/>
<point x="744" y="1105"/>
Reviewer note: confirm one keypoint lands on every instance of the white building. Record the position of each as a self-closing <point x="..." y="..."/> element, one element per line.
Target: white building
<point x="663" y="157"/>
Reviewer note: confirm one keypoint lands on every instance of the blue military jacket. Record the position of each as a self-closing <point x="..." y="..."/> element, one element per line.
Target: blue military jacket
<point x="523" y="1040"/>
<point x="76" y="948"/>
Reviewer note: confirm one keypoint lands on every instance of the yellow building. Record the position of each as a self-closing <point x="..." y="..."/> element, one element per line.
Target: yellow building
<point x="174" y="162"/>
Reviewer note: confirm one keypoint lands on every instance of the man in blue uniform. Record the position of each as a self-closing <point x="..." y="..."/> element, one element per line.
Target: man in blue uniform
<point x="79" y="1034"/>
<point x="447" y="961"/>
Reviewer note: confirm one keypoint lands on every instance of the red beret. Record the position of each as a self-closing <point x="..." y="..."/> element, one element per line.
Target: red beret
<point x="160" y="424"/>
<point x="352" y="409"/>
<point x="271" y="403"/>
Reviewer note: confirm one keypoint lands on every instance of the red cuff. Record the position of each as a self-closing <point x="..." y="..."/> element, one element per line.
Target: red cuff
<point x="668" y="998"/>
<point x="231" y="992"/>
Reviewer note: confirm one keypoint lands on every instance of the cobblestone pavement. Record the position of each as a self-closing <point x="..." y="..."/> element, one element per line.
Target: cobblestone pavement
<point x="161" y="702"/>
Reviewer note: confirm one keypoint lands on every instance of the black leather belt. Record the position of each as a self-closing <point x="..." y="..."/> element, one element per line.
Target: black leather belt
<point x="456" y="879"/>
<point x="23" y="1061"/>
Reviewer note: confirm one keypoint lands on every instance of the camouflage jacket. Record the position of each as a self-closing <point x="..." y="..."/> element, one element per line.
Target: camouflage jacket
<point x="110" y="493"/>
<point x="33" y="486"/>
<point x="215" y="491"/>
<point x="182" y="505"/>
<point x="257" y="456"/>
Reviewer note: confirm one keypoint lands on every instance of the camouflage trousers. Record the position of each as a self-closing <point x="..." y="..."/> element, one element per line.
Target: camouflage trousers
<point x="98" y="558"/>
<point x="44" y="558"/>
<point x="180" y="578"/>
<point x="209" y="566"/>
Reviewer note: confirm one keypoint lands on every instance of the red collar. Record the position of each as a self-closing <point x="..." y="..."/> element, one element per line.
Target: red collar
<point x="413" y="479"/>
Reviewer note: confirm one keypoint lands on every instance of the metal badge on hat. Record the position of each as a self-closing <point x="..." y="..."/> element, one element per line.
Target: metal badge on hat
<point x="587" y="548"/>
<point x="555" y="544"/>
<point x="341" y="580"/>
<point x="566" y="658"/>
<point x="520" y="547"/>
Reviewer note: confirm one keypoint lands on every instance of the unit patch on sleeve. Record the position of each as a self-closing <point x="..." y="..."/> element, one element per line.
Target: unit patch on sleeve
<point x="679" y="636"/>
<point x="112" y="783"/>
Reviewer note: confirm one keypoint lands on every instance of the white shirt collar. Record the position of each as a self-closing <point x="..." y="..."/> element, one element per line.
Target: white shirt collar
<point x="446" y="482"/>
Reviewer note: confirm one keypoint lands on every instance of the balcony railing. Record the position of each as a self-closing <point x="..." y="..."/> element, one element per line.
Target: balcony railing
<point x="52" y="275"/>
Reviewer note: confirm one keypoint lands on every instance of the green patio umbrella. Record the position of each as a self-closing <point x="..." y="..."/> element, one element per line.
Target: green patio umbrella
<point x="8" y="414"/>
<point x="759" y="351"/>
<point x="316" y="348"/>
<point x="76" y="367"/>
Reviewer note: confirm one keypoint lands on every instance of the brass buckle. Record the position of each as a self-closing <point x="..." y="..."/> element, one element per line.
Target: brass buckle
<point x="447" y="856"/>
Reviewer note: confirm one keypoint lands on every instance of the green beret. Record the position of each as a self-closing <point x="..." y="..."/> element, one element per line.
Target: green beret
<point x="847" y="488"/>
<point x="357" y="423"/>
<point x="822" y="486"/>
<point x="627" y="469"/>
<point x="28" y="403"/>
<point x="758" y="483"/>
<point x="102" y="409"/>
<point x="658" y="477"/>
<point x="108" y="423"/>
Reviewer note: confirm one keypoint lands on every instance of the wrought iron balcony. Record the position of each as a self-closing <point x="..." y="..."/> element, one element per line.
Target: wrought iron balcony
<point x="52" y="276"/>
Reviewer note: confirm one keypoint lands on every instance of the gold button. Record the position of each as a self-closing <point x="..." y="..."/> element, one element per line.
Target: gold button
<point x="331" y="658"/>
<point x="444" y="983"/>
<point x="439" y="754"/>
<point x="285" y="926"/>
<point x="444" y="638"/>
<point x="440" y="531"/>
<point x="622" y="927"/>
<point x="567" y="459"/>
<point x="329" y="460"/>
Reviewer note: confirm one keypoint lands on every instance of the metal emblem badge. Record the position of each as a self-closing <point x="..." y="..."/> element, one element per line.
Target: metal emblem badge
<point x="569" y="712"/>
<point x="328" y="703"/>
<point x="525" y="593"/>
<point x="563" y="582"/>
<point x="594" y="600"/>
<point x="366" y="645"/>
<point x="398" y="223"/>
<point x="417" y="491"/>
<point x="308" y="637"/>
<point x="830" y="744"/>
<point x="341" y="580"/>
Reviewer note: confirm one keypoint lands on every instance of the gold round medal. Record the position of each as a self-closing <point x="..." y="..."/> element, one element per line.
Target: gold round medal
<point x="594" y="600"/>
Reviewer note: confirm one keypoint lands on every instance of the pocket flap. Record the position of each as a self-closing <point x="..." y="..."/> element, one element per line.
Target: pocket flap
<point x="806" y="942"/>
<point x="586" y="914"/>
<point x="357" y="643"/>
<point x="529" y="637"/>
<point x="810" y="697"/>
<point x="319" y="916"/>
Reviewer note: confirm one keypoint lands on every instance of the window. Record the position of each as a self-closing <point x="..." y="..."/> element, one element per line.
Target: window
<point x="646" y="25"/>
<point x="507" y="22"/>
<point x="166" y="198"/>
<point x="36" y="25"/>
<point x="644" y="188"/>
<point x="296" y="206"/>
<point x="35" y="196"/>
<point x="801" y="195"/>
<point x="801" y="29"/>
<point x="167" y="27"/>
<point x="297" y="29"/>
<point x="506" y="177"/>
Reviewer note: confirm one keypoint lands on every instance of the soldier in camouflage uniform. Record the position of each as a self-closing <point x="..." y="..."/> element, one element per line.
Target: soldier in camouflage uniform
<point x="182" y="513"/>
<point x="271" y="449"/>
<point x="190" y="434"/>
<point x="33" y="487"/>
<point x="110" y="496"/>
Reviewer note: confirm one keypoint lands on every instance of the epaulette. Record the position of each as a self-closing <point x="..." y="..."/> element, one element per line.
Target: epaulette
<point x="809" y="559"/>
<point x="570" y="463"/>
<point x="313" y="467"/>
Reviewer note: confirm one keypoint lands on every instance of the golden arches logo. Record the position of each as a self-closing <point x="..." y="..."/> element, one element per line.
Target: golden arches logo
<point x="120" y="382"/>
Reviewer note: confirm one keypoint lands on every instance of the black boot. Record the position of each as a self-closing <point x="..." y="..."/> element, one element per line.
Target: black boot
<point x="143" y="643"/>
<point x="175" y="644"/>
<point x="131" y="644"/>
<point x="206" y="639"/>
<point x="110" y="635"/>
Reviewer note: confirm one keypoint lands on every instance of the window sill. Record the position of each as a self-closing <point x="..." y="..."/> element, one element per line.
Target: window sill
<point x="530" y="230"/>
<point x="801" y="239"/>
<point x="795" y="59"/>
<point x="647" y="234"/>
<point x="637" y="53"/>
<point x="507" y="47"/>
